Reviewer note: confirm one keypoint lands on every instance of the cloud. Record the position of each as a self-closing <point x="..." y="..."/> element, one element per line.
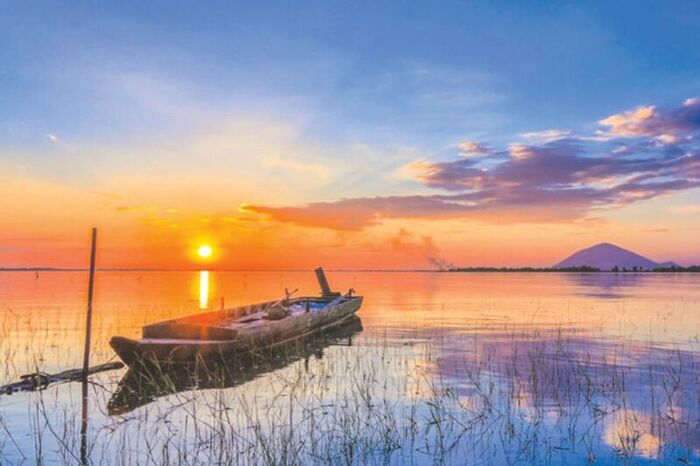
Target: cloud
<point x="473" y="149"/>
<point x="665" y="125"/>
<point x="408" y="244"/>
<point x="547" y="135"/>
<point x="554" y="179"/>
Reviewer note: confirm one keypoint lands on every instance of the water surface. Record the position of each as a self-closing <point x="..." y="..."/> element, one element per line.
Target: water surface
<point x="454" y="368"/>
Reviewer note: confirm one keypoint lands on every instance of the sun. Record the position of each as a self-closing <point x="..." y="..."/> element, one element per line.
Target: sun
<point x="204" y="251"/>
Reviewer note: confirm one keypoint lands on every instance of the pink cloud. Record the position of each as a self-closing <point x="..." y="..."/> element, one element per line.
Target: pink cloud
<point x="665" y="125"/>
<point x="555" y="180"/>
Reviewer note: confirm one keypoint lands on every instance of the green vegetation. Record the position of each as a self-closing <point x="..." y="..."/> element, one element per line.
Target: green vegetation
<point x="692" y="268"/>
<point x="676" y="269"/>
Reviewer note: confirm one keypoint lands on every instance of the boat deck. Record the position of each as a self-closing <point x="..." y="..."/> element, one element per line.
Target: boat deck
<point x="258" y="318"/>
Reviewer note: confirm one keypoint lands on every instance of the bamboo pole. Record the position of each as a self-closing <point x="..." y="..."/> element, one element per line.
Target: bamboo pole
<point x="86" y="354"/>
<point x="91" y="288"/>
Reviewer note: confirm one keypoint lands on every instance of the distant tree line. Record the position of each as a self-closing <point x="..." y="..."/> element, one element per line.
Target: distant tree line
<point x="692" y="268"/>
<point x="524" y="269"/>
<point x="586" y="269"/>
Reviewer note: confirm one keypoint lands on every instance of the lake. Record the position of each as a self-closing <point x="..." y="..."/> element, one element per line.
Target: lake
<point x="446" y="368"/>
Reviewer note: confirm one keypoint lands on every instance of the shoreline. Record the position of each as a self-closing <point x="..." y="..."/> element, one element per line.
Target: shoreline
<point x="685" y="270"/>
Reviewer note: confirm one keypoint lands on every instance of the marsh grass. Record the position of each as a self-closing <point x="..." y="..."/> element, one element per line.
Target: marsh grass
<point x="507" y="398"/>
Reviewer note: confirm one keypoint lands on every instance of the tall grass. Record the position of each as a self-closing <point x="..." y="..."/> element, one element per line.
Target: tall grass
<point x="429" y="396"/>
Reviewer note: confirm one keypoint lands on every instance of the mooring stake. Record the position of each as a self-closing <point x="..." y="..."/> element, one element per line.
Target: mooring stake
<point x="86" y="354"/>
<point x="91" y="289"/>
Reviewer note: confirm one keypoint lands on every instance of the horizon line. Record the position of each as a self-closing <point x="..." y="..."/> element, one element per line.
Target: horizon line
<point x="450" y="270"/>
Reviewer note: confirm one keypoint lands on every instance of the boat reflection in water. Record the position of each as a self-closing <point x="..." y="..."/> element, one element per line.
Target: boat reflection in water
<point x="143" y="384"/>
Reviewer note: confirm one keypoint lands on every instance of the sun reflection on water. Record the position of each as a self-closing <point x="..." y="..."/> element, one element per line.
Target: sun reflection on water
<point x="203" y="289"/>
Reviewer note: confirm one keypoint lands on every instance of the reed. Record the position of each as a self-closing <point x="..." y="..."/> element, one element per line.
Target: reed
<point x="431" y="396"/>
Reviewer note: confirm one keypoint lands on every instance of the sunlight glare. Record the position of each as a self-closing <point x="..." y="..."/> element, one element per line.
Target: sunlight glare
<point x="204" y="251"/>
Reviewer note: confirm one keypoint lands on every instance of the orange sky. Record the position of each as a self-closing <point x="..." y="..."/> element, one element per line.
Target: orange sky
<point x="157" y="221"/>
<point x="335" y="140"/>
<point x="154" y="214"/>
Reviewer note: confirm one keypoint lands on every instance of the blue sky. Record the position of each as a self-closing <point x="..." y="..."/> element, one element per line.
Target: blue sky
<point x="386" y="73"/>
<point x="370" y="122"/>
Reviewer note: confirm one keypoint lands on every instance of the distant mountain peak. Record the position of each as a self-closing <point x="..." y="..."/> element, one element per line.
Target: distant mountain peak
<point x="606" y="245"/>
<point x="608" y="256"/>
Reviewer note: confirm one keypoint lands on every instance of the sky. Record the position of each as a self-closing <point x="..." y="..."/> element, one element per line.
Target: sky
<point x="357" y="135"/>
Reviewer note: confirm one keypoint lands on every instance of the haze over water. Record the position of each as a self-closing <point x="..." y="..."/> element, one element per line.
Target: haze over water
<point x="494" y="367"/>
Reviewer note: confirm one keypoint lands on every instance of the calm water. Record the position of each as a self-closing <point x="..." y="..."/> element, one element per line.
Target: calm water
<point x="447" y="368"/>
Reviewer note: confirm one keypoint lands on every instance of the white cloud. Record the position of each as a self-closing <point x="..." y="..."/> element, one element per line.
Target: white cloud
<point x="547" y="135"/>
<point x="473" y="149"/>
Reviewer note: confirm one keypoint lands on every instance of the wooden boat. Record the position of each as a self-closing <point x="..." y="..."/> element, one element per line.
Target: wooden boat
<point x="143" y="384"/>
<point x="224" y="333"/>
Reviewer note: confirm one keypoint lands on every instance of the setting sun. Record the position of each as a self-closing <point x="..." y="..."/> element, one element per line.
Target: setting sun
<point x="204" y="251"/>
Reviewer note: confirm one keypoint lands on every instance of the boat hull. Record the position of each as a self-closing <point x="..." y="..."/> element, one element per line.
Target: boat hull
<point x="144" y="383"/>
<point x="273" y="333"/>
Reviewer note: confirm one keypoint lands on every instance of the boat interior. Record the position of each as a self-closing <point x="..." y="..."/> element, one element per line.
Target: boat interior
<point x="225" y="323"/>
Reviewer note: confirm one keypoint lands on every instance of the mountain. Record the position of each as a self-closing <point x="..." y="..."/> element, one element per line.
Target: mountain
<point x="606" y="256"/>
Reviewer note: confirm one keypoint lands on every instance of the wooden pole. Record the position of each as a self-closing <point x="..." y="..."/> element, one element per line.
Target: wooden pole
<point x="86" y="354"/>
<point x="91" y="289"/>
<point x="323" y="283"/>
